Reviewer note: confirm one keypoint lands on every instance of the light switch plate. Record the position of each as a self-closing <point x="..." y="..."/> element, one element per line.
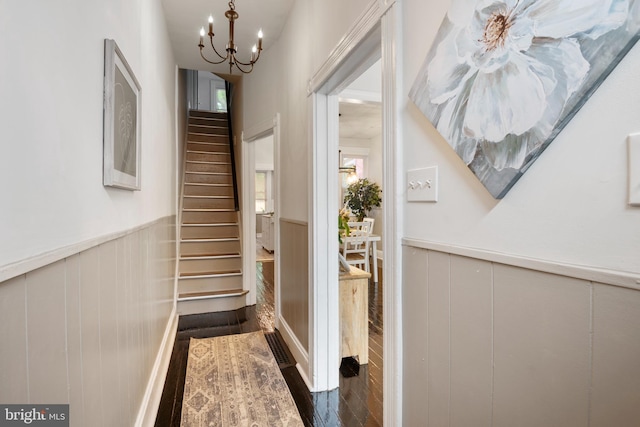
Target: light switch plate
<point x="634" y="169"/>
<point x="422" y="185"/>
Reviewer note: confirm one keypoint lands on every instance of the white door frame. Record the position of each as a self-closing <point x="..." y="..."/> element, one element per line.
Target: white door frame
<point x="374" y="35"/>
<point x="254" y="133"/>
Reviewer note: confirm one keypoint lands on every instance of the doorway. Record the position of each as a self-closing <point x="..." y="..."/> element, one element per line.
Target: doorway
<point x="373" y="37"/>
<point x="261" y="207"/>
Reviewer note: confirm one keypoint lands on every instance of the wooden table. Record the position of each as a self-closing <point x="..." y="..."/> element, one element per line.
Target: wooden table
<point x="354" y="314"/>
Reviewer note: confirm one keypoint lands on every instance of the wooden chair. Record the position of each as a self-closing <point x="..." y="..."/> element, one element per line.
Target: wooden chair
<point x="355" y="247"/>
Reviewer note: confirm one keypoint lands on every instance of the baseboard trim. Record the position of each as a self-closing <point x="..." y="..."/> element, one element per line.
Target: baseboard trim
<point x="24" y="266"/>
<point x="608" y="277"/>
<point x="298" y="351"/>
<point x="148" y="410"/>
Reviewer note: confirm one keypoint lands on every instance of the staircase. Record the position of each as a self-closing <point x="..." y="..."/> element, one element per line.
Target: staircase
<point x="210" y="264"/>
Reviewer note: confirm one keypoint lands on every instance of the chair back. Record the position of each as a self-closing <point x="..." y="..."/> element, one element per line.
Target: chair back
<point x="355" y="247"/>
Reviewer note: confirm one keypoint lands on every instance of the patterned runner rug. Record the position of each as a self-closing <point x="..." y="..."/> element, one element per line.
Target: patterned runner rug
<point x="234" y="380"/>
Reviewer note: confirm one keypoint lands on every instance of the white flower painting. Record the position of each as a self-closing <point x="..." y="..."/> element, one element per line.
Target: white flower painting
<point x="504" y="77"/>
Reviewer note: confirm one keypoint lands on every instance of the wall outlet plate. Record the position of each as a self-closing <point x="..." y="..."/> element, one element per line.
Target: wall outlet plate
<point x="633" y="141"/>
<point x="422" y="185"/>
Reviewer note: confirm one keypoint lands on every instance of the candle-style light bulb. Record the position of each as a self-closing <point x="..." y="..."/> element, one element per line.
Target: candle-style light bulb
<point x="210" y="24"/>
<point x="260" y="39"/>
<point x="201" y="36"/>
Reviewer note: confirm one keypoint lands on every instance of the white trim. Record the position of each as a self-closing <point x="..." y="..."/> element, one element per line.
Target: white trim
<point x="392" y="100"/>
<point x="148" y="410"/>
<point x="249" y="222"/>
<point x="24" y="266"/>
<point x="324" y="297"/>
<point x="365" y="24"/>
<point x="297" y="350"/>
<point x="276" y="216"/>
<point x="593" y="274"/>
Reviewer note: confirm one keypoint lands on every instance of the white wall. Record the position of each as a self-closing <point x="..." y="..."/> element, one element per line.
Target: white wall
<point x="569" y="207"/>
<point x="51" y="80"/>
<point x="205" y="81"/>
<point x="264" y="153"/>
<point x="278" y="84"/>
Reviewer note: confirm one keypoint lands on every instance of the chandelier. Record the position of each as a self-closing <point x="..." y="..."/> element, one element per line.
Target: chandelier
<point x="232" y="49"/>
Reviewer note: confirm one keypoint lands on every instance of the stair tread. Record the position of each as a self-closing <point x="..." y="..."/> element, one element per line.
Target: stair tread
<point x="224" y="143"/>
<point x="210" y="256"/>
<point x="221" y="239"/>
<point x="208" y="173"/>
<point x="208" y="210"/>
<point x="204" y="162"/>
<point x="211" y="294"/>
<point x="208" y="197"/>
<point x="206" y="152"/>
<point x="211" y="274"/>
<point x="209" y="224"/>
<point x="205" y="184"/>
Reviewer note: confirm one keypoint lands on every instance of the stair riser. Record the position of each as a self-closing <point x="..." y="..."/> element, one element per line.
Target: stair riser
<point x="202" y="190"/>
<point x="208" y="130"/>
<point x="208" y="146"/>
<point x="207" y="114"/>
<point x="211" y="305"/>
<point x="207" y="179"/>
<point x="208" y="203"/>
<point x="219" y="122"/>
<point x="209" y="217"/>
<point x="217" y="139"/>
<point x="209" y="167"/>
<point x="209" y="284"/>
<point x="209" y="157"/>
<point x="210" y="232"/>
<point x="209" y="248"/>
<point x="207" y="266"/>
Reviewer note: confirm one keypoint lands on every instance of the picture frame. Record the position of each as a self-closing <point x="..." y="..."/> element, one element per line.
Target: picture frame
<point x="504" y="77"/>
<point x="122" y="114"/>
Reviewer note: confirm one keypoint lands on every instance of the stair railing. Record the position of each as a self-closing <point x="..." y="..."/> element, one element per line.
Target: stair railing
<point x="229" y="92"/>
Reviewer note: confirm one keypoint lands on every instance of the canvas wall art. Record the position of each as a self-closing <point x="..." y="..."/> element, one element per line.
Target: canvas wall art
<point x="122" y="109"/>
<point x="503" y="77"/>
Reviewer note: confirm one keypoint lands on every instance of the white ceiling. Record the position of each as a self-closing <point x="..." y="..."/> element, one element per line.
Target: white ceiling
<point x="186" y="17"/>
<point x="360" y="106"/>
<point x="360" y="121"/>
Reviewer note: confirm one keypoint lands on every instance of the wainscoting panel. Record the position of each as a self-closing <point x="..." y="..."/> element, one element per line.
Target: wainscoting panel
<point x="615" y="395"/>
<point x="541" y="348"/>
<point x="13" y="351"/>
<point x="294" y="278"/>
<point x="471" y="342"/>
<point x="490" y="344"/>
<point x="86" y="329"/>
<point x="415" y="300"/>
<point x="439" y="327"/>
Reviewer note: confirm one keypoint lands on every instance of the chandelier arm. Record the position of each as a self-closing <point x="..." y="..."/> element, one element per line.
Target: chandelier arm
<point x="253" y="61"/>
<point x="240" y="68"/>
<point x="224" y="58"/>
<point x="211" y="62"/>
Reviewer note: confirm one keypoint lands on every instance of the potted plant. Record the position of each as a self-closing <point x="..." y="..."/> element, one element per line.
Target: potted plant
<point x="343" y="231"/>
<point x="362" y="196"/>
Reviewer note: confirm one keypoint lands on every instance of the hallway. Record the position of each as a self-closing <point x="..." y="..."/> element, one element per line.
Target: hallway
<point x="358" y="400"/>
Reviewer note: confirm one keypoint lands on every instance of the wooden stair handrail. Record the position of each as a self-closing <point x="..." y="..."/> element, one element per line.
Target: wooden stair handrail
<point x="228" y="90"/>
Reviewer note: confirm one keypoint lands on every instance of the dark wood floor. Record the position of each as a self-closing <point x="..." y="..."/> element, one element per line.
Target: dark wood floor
<point x="358" y="400"/>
